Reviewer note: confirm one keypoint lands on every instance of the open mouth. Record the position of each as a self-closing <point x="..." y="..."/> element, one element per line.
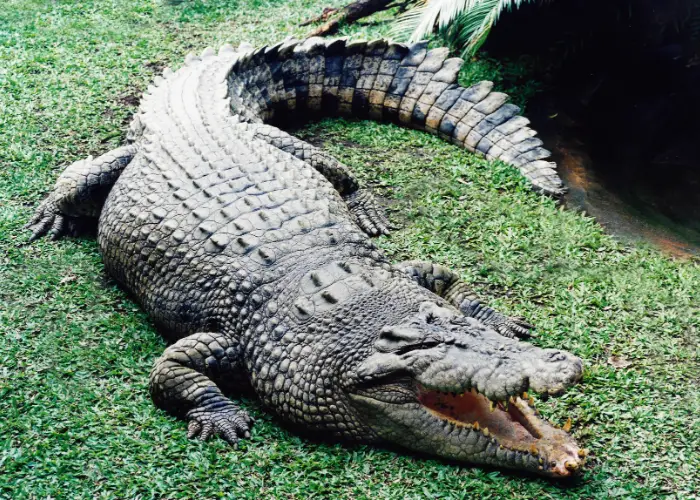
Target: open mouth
<point x="513" y="424"/>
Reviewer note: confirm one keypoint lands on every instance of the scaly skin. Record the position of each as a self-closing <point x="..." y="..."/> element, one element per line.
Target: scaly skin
<point x="250" y="249"/>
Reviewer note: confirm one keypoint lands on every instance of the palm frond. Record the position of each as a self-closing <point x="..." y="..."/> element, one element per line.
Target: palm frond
<point x="466" y="23"/>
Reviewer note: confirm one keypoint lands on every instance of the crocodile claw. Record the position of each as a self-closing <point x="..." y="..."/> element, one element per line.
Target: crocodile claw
<point x="511" y="327"/>
<point x="47" y="220"/>
<point x="229" y="422"/>
<point x="367" y="213"/>
<point x="514" y="327"/>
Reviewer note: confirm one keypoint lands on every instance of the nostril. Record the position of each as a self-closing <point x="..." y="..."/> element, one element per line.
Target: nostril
<point x="557" y="356"/>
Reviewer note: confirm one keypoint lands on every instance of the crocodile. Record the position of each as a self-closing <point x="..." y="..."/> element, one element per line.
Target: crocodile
<point x="251" y="251"/>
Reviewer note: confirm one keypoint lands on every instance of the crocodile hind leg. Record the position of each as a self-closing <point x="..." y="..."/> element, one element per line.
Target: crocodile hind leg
<point x="446" y="283"/>
<point x="79" y="194"/>
<point x="362" y="204"/>
<point x="184" y="383"/>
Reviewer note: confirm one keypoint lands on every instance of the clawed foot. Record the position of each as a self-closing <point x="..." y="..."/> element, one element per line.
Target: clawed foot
<point x="510" y="327"/>
<point x="48" y="220"/>
<point x="514" y="327"/>
<point x="229" y="422"/>
<point x="367" y="213"/>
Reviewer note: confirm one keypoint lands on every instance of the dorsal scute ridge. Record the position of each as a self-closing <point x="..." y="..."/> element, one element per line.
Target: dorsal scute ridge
<point x="287" y="48"/>
<point x="245" y="47"/>
<point x="226" y="48"/>
<point x="355" y="46"/>
<point x="416" y="54"/>
<point x="377" y="43"/>
<point x="191" y="59"/>
<point x="208" y="52"/>
<point x="449" y="72"/>
<point x="380" y="79"/>
<point x="336" y="46"/>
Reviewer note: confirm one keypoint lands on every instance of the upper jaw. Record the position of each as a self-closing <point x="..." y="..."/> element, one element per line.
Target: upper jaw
<point x="553" y="371"/>
<point x="498" y="376"/>
<point x="461" y="354"/>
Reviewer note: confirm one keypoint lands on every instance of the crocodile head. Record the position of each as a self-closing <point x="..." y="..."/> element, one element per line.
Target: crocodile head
<point x="442" y="384"/>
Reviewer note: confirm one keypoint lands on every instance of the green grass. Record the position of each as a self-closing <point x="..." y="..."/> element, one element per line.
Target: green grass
<point x="75" y="352"/>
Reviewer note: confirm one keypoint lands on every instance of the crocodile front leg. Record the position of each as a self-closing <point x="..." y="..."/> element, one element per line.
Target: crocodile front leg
<point x="183" y="383"/>
<point x="446" y="283"/>
<point x="79" y="194"/>
<point x="362" y="204"/>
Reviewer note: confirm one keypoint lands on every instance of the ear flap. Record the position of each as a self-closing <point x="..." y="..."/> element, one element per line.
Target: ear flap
<point x="431" y="310"/>
<point x="393" y="338"/>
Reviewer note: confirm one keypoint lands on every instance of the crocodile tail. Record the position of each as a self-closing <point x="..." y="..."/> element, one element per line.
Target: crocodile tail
<point x="386" y="81"/>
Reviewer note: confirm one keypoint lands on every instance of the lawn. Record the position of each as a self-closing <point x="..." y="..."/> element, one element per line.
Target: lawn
<point x="75" y="351"/>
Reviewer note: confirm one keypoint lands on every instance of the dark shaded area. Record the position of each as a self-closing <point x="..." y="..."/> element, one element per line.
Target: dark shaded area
<point x="621" y="108"/>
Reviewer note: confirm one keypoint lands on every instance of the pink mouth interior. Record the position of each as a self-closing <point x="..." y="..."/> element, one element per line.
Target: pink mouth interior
<point x="513" y="424"/>
<point x="507" y="425"/>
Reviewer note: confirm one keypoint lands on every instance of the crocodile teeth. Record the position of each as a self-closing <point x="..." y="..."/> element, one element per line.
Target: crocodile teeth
<point x="492" y="406"/>
<point x="567" y="425"/>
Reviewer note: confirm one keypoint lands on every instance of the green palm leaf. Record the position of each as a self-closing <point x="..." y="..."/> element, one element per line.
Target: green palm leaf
<point x="465" y="23"/>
